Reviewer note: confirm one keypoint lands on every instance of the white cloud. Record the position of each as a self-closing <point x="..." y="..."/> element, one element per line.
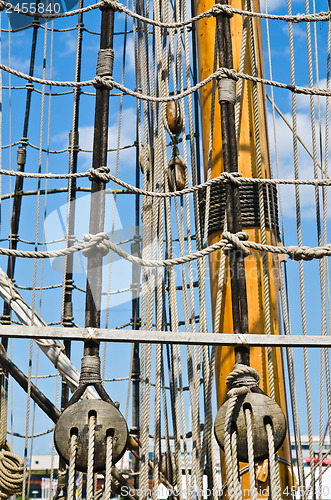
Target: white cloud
<point x="286" y="163"/>
<point x="127" y="157"/>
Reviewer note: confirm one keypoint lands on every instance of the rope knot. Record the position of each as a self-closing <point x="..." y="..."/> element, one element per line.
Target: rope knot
<point x="302" y="253"/>
<point x="113" y="4"/>
<point x="242" y="377"/>
<point x="103" y="81"/>
<point x="233" y="177"/>
<point x="218" y="9"/>
<point x="96" y="242"/>
<point x="99" y="174"/>
<point x="227" y="73"/>
<point x="235" y="242"/>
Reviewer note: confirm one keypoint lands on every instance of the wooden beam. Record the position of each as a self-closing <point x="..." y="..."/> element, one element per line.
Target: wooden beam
<point x="157" y="337"/>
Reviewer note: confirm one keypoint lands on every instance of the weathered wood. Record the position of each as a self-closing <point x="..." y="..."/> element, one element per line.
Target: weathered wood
<point x="157" y="337"/>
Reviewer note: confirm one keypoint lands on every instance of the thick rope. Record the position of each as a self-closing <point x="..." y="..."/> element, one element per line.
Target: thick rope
<point x="72" y="466"/>
<point x="229" y="241"/>
<point x="213" y="11"/>
<point x="110" y="83"/>
<point x="109" y="460"/>
<point x="11" y="473"/>
<point x="90" y="458"/>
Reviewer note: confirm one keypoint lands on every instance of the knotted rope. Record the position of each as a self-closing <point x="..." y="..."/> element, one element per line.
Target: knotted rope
<point x="100" y="246"/>
<point x="234" y="242"/>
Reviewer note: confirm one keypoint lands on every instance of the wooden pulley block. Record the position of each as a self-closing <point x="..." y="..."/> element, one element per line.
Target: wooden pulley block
<point x="176" y="174"/>
<point x="75" y="420"/>
<point x="263" y="410"/>
<point x="174" y="117"/>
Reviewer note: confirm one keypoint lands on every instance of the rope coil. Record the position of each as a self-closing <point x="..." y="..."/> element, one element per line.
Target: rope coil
<point x="11" y="473"/>
<point x="90" y="370"/>
<point x="242" y="375"/>
<point x="105" y="62"/>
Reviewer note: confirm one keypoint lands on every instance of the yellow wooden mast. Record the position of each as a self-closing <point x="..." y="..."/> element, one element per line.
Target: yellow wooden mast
<point x="247" y="165"/>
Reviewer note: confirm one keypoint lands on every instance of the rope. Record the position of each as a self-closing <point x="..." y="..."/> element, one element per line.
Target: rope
<point x="223" y="178"/>
<point x="247" y="377"/>
<point x="213" y="11"/>
<point x="72" y="466"/>
<point x="274" y="484"/>
<point x="109" y="459"/>
<point x="90" y="457"/>
<point x="11" y="473"/>
<point x="250" y="449"/>
<point x="109" y="83"/>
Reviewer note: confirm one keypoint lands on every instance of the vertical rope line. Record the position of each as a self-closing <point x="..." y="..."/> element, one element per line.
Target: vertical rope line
<point x="293" y="395"/>
<point x="27" y="421"/>
<point x="194" y="382"/>
<point x="109" y="460"/>
<point x="1" y="111"/>
<point x="265" y="276"/>
<point x="53" y="445"/>
<point x="238" y="493"/>
<point x="299" y="234"/>
<point x="164" y="86"/>
<point x="241" y="82"/>
<point x="202" y="286"/>
<point x="72" y="465"/>
<point x="39" y="168"/>
<point x="325" y="194"/>
<point x="274" y="484"/>
<point x="80" y="487"/>
<point x="117" y="164"/>
<point x="90" y="458"/>
<point x="33" y="421"/>
<point x="250" y="449"/>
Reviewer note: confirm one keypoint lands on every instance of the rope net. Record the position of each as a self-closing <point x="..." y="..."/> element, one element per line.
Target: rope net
<point x="119" y="218"/>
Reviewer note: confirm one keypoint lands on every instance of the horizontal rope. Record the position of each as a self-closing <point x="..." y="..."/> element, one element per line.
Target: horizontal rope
<point x="230" y="241"/>
<point x="224" y="177"/>
<point x="109" y="83"/>
<point x="215" y="10"/>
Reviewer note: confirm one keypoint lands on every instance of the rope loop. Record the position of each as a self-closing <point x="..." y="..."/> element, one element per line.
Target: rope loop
<point x="235" y="242"/>
<point x="99" y="174"/>
<point x="11" y="473"/>
<point x="242" y="376"/>
<point x="96" y="242"/>
<point x="226" y="10"/>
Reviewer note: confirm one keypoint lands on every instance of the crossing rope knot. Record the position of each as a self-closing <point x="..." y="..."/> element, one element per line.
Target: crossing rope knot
<point x="226" y="10"/>
<point x="103" y="81"/>
<point x="99" y="174"/>
<point x="96" y="242"/>
<point x="113" y="4"/>
<point x="235" y="242"/>
<point x="11" y="473"/>
<point x="233" y="177"/>
<point x="227" y="73"/>
<point x="242" y="376"/>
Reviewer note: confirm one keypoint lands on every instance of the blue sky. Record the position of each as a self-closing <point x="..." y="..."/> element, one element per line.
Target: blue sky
<point x="58" y="113"/>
